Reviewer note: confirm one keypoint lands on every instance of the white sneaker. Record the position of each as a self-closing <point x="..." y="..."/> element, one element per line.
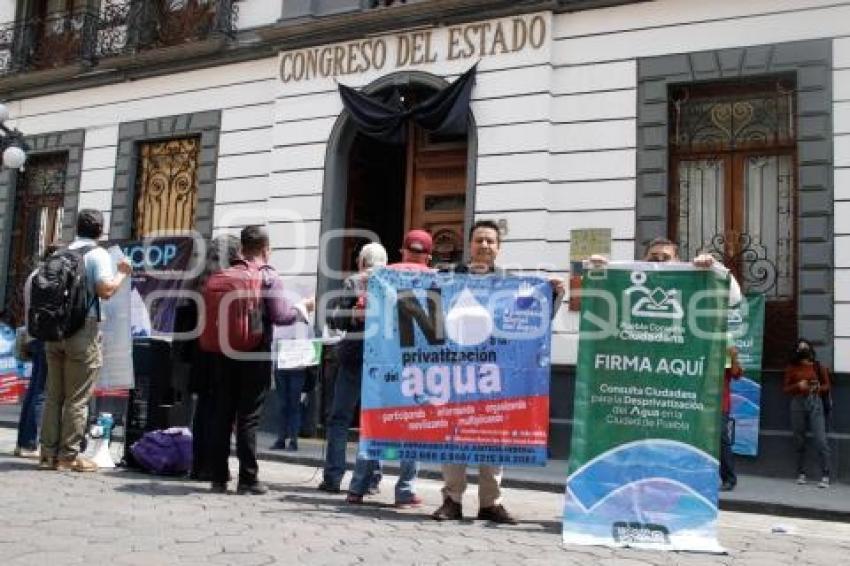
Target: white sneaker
<point x="26" y="453"/>
<point x="801" y="479"/>
<point x="824" y="482"/>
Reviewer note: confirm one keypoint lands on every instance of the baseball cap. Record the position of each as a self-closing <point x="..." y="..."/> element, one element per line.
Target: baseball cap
<point x="418" y="241"/>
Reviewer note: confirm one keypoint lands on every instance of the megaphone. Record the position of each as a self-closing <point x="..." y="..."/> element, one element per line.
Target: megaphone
<point x="98" y="448"/>
<point x="102" y="457"/>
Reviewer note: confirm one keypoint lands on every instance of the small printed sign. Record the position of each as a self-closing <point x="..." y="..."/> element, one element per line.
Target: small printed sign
<point x="589" y="241"/>
<point x="293" y="354"/>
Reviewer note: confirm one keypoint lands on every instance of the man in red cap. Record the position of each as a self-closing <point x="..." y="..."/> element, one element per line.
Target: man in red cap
<point x="415" y="251"/>
<point x="415" y="256"/>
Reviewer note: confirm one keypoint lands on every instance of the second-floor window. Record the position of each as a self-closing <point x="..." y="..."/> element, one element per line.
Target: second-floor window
<point x="59" y="26"/>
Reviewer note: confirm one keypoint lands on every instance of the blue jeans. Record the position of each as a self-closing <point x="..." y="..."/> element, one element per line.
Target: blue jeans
<point x="346" y="396"/>
<point x="289" y="383"/>
<point x="33" y="399"/>
<point x="363" y="478"/>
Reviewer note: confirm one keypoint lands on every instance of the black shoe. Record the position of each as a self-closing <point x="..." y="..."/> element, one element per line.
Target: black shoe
<point x="218" y="487"/>
<point x="293" y="446"/>
<point x="727" y="486"/>
<point x="448" y="511"/>
<point x="255" y="488"/>
<point x="496" y="514"/>
<point x="279" y="444"/>
<point x="328" y="488"/>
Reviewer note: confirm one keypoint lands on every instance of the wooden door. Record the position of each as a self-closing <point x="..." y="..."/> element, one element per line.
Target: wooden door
<point x="734" y="192"/>
<point x="436" y="192"/>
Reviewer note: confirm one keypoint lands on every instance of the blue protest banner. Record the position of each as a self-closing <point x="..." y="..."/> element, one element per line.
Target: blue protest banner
<point x="456" y="368"/>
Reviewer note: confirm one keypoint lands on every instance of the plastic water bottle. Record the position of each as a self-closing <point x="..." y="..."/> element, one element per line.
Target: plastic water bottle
<point x="104" y="420"/>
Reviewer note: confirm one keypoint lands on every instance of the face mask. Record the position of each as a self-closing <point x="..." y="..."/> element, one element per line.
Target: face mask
<point x="804" y="354"/>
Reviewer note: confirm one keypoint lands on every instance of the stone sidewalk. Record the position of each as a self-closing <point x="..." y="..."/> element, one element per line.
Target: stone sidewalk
<point x="755" y="494"/>
<point x="123" y="518"/>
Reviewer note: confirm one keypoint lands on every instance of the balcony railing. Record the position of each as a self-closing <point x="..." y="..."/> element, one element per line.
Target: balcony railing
<point x="118" y="27"/>
<point x="372" y="4"/>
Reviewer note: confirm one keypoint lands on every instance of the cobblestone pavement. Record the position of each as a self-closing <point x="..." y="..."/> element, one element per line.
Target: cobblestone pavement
<point x="122" y="518"/>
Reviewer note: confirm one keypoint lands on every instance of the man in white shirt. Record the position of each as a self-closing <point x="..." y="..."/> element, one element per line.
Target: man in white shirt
<point x="73" y="363"/>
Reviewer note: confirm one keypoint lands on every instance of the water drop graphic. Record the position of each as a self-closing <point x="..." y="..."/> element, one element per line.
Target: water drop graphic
<point x="468" y="323"/>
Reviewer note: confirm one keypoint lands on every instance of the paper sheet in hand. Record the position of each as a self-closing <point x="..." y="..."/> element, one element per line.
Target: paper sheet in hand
<point x="293" y="354"/>
<point x="117" y="370"/>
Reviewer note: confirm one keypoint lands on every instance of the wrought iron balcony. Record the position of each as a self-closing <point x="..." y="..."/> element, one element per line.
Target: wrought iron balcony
<point x="118" y="27"/>
<point x="300" y="9"/>
<point x="372" y="4"/>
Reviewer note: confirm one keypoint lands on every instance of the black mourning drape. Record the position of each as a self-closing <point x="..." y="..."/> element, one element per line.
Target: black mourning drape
<point x="385" y="118"/>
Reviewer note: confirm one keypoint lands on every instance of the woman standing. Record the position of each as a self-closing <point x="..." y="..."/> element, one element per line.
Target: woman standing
<point x="221" y="253"/>
<point x="808" y="383"/>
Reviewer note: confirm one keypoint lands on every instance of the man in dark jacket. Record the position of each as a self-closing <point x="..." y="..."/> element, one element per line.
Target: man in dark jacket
<point x="350" y="355"/>
<point x="240" y="386"/>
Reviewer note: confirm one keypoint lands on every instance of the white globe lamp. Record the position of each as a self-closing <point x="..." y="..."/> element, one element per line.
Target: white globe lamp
<point x="14" y="157"/>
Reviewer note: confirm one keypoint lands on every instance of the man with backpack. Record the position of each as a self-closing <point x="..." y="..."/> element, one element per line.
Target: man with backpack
<point x="242" y="303"/>
<point x="65" y="313"/>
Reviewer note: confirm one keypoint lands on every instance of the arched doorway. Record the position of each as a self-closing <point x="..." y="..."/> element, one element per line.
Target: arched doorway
<point x="373" y="189"/>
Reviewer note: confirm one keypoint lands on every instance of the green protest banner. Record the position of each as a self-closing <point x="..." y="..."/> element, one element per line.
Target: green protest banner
<point x="644" y="454"/>
<point x="746" y="328"/>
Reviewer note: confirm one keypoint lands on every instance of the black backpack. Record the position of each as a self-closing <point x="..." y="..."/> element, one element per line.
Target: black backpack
<point x="59" y="301"/>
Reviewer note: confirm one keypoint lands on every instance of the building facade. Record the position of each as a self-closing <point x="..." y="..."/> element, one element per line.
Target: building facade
<point x="724" y="125"/>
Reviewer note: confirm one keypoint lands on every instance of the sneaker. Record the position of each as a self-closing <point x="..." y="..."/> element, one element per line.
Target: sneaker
<point x="354" y="498"/>
<point x="496" y="514"/>
<point x="218" y="487"/>
<point x="279" y="444"/>
<point x="31" y="453"/>
<point x="414" y="501"/>
<point x="293" y="446"/>
<point x="47" y="463"/>
<point x="824" y="482"/>
<point x="76" y="464"/>
<point x="727" y="486"/>
<point x="374" y="490"/>
<point x="328" y="488"/>
<point x="448" y="511"/>
<point x="255" y="488"/>
<point x="801" y="479"/>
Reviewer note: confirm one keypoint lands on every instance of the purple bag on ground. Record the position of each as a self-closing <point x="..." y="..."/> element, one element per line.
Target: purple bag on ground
<point x="165" y="451"/>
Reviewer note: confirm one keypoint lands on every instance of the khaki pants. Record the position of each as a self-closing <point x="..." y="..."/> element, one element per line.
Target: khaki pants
<point x="72" y="368"/>
<point x="489" y="482"/>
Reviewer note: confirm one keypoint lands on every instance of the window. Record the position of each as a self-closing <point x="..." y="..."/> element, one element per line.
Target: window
<point x="60" y="26"/>
<point x="733" y="163"/>
<point x="39" y="201"/>
<point x="166" y="186"/>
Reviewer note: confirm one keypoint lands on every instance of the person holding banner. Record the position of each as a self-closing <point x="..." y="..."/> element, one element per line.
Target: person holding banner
<point x="807" y="382"/>
<point x="484" y="246"/>
<point x="347" y="315"/>
<point x="415" y="256"/>
<point x="663" y="250"/>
